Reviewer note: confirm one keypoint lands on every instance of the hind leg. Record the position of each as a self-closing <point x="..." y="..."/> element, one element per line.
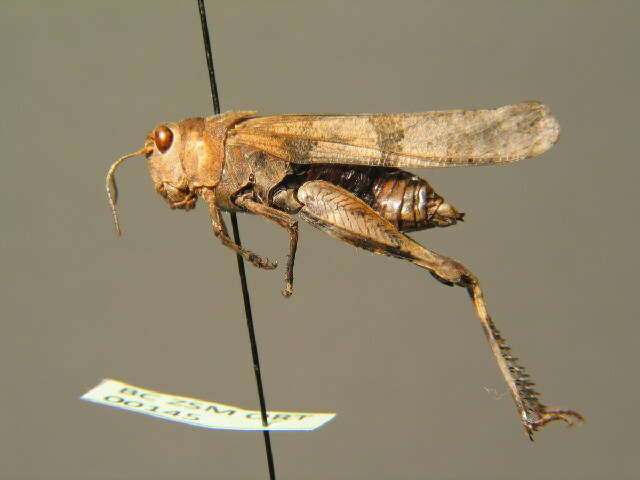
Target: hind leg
<point x="344" y="216"/>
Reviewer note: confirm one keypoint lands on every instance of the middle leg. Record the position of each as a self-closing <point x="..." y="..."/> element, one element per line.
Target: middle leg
<point x="287" y="222"/>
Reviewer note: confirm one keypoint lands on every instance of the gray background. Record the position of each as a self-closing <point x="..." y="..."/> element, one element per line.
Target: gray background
<point x="400" y="357"/>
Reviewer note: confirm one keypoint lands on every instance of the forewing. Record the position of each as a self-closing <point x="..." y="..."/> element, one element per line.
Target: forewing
<point x="430" y="139"/>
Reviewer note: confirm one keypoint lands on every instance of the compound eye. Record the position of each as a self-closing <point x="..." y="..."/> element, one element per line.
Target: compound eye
<point x="163" y="137"/>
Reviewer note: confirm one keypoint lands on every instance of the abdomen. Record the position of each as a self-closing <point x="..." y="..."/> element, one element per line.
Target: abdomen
<point x="405" y="200"/>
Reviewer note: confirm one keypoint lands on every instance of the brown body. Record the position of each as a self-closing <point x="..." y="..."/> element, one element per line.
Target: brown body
<point x="405" y="200"/>
<point x="342" y="174"/>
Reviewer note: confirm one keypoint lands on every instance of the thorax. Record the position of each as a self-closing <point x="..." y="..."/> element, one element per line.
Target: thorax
<point x="248" y="170"/>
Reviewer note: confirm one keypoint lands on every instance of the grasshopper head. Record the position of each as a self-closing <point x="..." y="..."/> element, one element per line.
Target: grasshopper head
<point x="183" y="158"/>
<point x="170" y="149"/>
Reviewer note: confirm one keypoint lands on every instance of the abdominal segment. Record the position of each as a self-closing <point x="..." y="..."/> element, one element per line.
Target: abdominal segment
<point x="405" y="200"/>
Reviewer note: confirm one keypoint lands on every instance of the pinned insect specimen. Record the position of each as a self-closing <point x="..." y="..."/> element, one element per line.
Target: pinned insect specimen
<point x="342" y="174"/>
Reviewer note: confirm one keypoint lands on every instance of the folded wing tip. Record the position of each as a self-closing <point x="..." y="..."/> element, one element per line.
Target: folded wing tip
<point x="549" y="130"/>
<point x="538" y="124"/>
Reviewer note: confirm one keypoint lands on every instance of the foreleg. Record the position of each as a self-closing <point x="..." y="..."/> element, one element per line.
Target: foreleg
<point x="220" y="231"/>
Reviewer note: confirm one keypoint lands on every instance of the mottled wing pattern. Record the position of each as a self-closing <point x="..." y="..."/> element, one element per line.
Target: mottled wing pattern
<point x="431" y="139"/>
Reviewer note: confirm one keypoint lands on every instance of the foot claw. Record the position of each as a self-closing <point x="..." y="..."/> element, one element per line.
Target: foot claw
<point x="287" y="291"/>
<point x="260" y="262"/>
<point x="570" y="417"/>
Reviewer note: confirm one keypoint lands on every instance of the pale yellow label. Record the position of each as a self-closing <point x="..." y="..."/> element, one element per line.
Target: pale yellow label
<point x="198" y="413"/>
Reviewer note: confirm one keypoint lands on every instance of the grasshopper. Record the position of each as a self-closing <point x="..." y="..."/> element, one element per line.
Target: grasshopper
<point x="342" y="174"/>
